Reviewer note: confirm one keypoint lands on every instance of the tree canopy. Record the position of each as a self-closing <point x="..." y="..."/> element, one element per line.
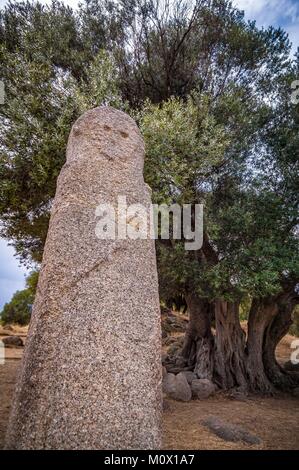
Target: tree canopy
<point x="211" y="94"/>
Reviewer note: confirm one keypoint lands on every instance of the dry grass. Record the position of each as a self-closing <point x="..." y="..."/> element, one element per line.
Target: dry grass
<point x="8" y="374"/>
<point x="275" y="421"/>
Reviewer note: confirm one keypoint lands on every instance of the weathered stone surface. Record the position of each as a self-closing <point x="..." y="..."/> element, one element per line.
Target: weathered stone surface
<point x="190" y="376"/>
<point x="99" y="388"/>
<point x="177" y="387"/>
<point x="169" y="384"/>
<point x="13" y="341"/>
<point x="202" y="388"/>
<point x="183" y="388"/>
<point x="230" y="432"/>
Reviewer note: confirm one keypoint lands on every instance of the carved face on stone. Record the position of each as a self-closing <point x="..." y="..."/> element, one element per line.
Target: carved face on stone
<point x="99" y="134"/>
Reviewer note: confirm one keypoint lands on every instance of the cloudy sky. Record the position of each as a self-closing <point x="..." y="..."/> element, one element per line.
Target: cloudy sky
<point x="284" y="13"/>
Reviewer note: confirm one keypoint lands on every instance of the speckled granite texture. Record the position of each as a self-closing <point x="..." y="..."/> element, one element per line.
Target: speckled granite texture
<point x="91" y="373"/>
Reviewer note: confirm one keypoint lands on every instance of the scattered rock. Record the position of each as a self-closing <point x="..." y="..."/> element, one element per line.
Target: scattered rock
<point x="183" y="388"/>
<point x="169" y="384"/>
<point x="202" y="388"/>
<point x="173" y="322"/>
<point x="230" y="432"/>
<point x="177" y="387"/>
<point x="175" y="345"/>
<point x="8" y="328"/>
<point x="7" y="331"/>
<point x="291" y="367"/>
<point x="190" y="376"/>
<point x="13" y="341"/>
<point x="164" y="372"/>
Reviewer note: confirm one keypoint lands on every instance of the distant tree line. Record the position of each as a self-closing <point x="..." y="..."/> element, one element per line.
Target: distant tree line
<point x="19" y="309"/>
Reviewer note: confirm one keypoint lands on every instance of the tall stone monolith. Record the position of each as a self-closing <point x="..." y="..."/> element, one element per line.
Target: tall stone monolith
<point x="91" y="372"/>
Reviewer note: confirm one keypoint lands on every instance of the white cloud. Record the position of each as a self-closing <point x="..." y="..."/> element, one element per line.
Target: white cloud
<point x="284" y="13"/>
<point x="269" y="11"/>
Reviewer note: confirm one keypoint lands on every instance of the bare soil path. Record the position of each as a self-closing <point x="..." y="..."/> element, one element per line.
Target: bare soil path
<point x="274" y="420"/>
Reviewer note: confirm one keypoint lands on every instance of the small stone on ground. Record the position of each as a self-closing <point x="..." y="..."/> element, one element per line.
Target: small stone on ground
<point x="13" y="341"/>
<point x="230" y="432"/>
<point x="202" y="388"/>
<point x="177" y="387"/>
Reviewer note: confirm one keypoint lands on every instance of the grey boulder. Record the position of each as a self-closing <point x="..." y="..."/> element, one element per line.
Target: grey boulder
<point x="177" y="387"/>
<point x="13" y="341"/>
<point x="202" y="388"/>
<point x="230" y="432"/>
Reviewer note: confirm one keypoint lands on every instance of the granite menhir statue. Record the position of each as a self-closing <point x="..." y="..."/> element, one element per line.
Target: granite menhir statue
<point x="91" y="372"/>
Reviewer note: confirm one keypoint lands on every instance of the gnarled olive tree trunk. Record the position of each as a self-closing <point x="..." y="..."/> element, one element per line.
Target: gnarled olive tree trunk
<point x="276" y="330"/>
<point x="229" y="347"/>
<point x="198" y="344"/>
<point x="261" y="314"/>
<point x="227" y="358"/>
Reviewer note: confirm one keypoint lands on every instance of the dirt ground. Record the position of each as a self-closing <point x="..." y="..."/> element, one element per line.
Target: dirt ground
<point x="274" y="420"/>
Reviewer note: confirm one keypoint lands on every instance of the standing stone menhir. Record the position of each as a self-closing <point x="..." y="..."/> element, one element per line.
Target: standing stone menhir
<point x="91" y="372"/>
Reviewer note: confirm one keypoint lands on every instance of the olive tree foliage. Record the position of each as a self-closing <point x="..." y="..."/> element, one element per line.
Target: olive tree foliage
<point x="49" y="82"/>
<point x="211" y="93"/>
<point x="56" y="63"/>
